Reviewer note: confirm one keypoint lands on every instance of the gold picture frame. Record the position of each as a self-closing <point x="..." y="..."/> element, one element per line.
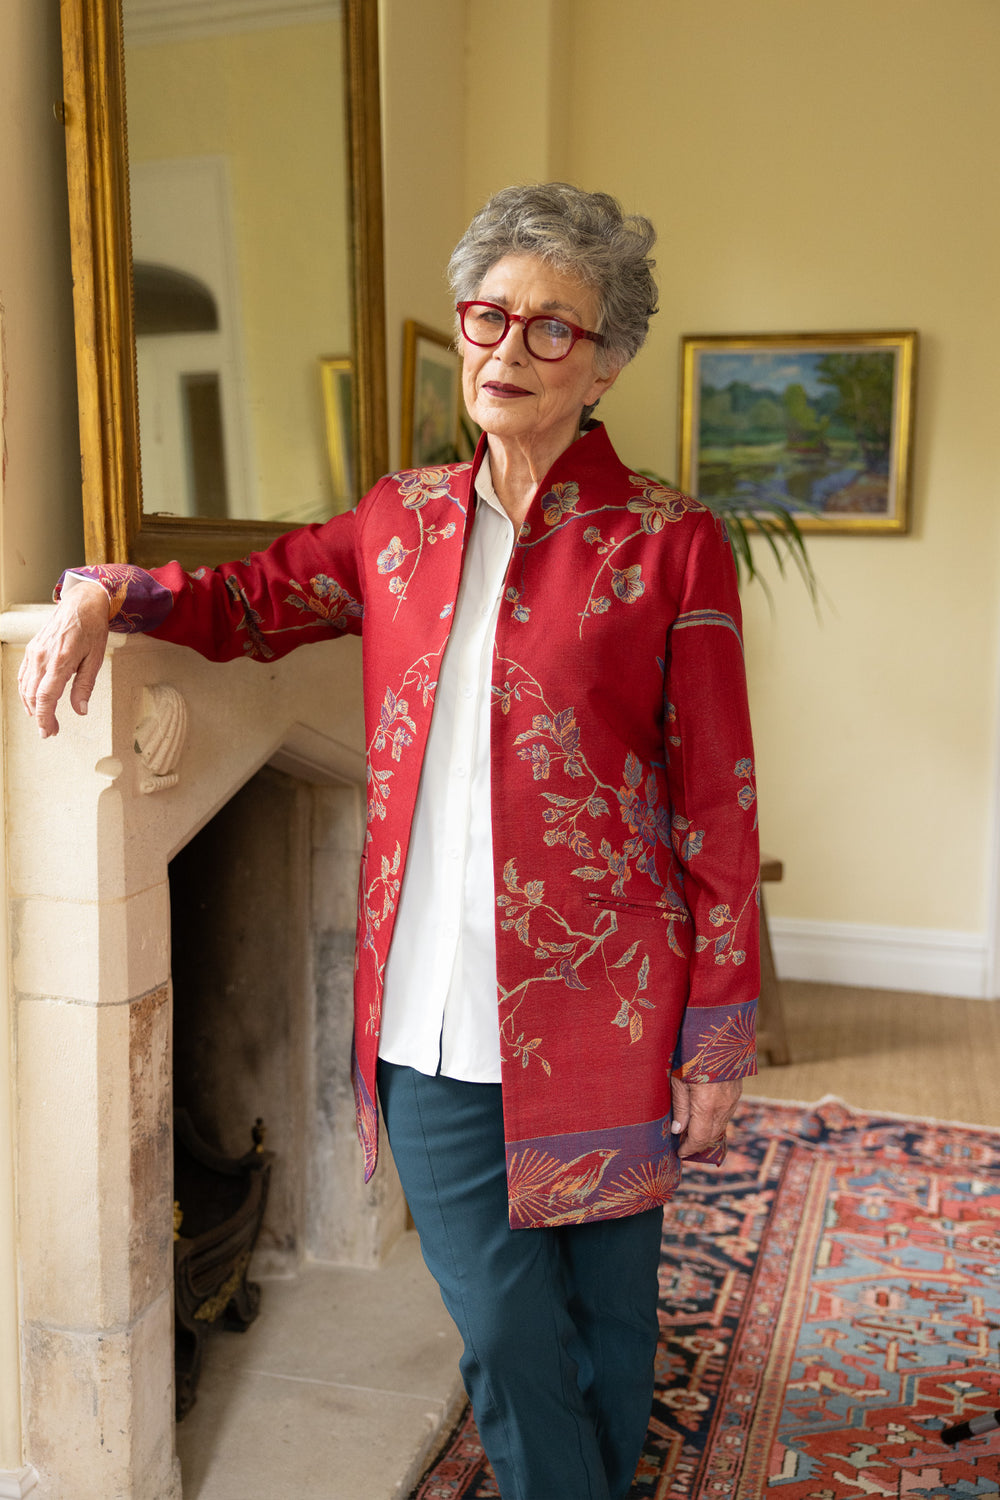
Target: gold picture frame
<point x="116" y="528"/>
<point x="431" y="430"/>
<point x="336" y="382"/>
<point x="819" y="424"/>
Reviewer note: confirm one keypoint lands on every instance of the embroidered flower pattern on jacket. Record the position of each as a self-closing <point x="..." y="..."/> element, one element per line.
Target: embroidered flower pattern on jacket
<point x="563" y="732"/>
<point x="395" y="554"/>
<point x="418" y="487"/>
<point x="564" y="950"/>
<point x="394" y="731"/>
<point x="747" y="794"/>
<point x="394" y="725"/>
<point x="655" y="505"/>
<point x="377" y="900"/>
<point x="553" y="743"/>
<point x="521" y="613"/>
<point x="626" y="583"/>
<point x="393" y="735"/>
<point x="326" y="599"/>
<point x="559" y="501"/>
<point x="250" y="622"/>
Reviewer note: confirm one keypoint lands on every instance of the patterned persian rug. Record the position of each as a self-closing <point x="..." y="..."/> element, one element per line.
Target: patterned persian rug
<point x="829" y="1302"/>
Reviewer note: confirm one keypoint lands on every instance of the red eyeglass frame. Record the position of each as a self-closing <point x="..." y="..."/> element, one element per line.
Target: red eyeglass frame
<point x="550" y="359"/>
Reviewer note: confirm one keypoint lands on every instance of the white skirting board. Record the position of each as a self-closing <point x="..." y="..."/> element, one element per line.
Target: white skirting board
<point x="927" y="960"/>
<point x="15" y="1484"/>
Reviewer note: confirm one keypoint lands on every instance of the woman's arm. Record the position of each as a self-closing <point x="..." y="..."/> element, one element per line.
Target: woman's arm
<point x="307" y="586"/>
<point x="710" y="774"/>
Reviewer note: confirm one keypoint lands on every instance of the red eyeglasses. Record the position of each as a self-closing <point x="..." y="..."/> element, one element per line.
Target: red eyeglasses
<point x="545" y="337"/>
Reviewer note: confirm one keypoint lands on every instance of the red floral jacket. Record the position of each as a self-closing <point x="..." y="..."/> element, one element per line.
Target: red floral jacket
<point x="624" y="818"/>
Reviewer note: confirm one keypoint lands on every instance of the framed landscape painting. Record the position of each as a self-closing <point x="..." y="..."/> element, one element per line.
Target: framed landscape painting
<point x="817" y="424"/>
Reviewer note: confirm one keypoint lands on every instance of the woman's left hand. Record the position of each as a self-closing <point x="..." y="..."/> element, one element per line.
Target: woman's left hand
<point x="68" y="648"/>
<point x="701" y="1112"/>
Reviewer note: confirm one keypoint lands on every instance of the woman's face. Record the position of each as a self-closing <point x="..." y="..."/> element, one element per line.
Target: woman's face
<point x="514" y="397"/>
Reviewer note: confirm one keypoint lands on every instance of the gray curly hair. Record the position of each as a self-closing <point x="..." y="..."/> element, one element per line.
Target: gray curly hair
<point x="583" y="234"/>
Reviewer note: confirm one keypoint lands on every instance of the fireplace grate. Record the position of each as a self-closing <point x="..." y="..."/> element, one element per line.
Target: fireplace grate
<point x="219" y="1204"/>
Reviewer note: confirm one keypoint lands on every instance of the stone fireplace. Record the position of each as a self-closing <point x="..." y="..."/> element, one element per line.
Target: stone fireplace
<point x="95" y="817"/>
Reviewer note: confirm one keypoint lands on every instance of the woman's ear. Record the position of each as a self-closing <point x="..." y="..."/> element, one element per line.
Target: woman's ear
<point x="600" y="386"/>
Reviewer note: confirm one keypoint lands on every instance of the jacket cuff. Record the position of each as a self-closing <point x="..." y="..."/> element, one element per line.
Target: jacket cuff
<point x="717" y="1042"/>
<point x="714" y="1156"/>
<point x="138" y="601"/>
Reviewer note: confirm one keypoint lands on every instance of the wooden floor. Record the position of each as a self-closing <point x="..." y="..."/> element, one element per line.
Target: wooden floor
<point x="925" y="1055"/>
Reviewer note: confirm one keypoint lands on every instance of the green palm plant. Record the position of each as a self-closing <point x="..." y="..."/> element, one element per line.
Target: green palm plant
<point x="775" y="523"/>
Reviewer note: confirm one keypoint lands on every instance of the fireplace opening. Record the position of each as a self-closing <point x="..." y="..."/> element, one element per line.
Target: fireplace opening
<point x="242" y="1024"/>
<point x="240" y="933"/>
<point x="263" y="904"/>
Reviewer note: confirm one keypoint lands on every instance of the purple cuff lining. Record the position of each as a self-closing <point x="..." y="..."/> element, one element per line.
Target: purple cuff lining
<point x="138" y="601"/>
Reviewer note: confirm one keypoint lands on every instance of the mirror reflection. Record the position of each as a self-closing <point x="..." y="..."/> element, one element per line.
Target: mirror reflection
<point x="240" y="232"/>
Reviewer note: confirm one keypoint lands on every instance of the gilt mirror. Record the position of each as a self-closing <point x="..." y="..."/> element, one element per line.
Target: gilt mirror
<point x="225" y="192"/>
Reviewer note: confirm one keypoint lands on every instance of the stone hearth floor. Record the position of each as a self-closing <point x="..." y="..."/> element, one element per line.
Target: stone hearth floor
<point x="337" y="1392"/>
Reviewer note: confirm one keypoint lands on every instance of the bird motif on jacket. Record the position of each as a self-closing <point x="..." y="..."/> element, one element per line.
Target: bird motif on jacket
<point x="536" y="1178"/>
<point x="580" y="1178"/>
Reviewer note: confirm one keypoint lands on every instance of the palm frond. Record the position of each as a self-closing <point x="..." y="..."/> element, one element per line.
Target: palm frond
<point x="776" y="524"/>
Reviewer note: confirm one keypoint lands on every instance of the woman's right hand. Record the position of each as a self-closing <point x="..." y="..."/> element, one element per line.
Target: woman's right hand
<point x="70" y="646"/>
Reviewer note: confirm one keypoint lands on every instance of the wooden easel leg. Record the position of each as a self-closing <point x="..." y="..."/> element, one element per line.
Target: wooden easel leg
<point x="771" y="1038"/>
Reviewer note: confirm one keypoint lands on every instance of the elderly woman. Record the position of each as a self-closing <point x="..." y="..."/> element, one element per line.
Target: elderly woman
<point x="556" y="949"/>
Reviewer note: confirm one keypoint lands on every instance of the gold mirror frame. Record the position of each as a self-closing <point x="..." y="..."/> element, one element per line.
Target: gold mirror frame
<point x="115" y="529"/>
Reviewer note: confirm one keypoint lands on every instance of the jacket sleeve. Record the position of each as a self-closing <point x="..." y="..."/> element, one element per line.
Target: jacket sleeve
<point x="306" y="586"/>
<point x="710" y="774"/>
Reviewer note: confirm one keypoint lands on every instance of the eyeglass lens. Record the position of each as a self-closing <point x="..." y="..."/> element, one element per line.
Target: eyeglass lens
<point x="546" y="338"/>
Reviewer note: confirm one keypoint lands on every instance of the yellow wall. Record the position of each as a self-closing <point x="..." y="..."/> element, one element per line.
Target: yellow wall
<point x="519" y="115"/>
<point x="808" y="166"/>
<point x="834" y="166"/>
<point x="270" y="102"/>
<point x="41" y="517"/>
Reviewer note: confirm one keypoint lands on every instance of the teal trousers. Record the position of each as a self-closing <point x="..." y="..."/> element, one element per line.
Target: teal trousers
<point x="559" y="1325"/>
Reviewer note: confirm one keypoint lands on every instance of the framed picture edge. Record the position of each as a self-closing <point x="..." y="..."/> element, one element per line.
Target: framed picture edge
<point x="338" y="437"/>
<point x="413" y="332"/>
<point x="905" y="340"/>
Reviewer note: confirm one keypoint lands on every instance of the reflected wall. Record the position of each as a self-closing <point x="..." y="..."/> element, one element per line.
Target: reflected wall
<point x="237" y="161"/>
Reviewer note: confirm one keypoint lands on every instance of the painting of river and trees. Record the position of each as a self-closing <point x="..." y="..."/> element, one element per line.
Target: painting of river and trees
<point x="819" y="425"/>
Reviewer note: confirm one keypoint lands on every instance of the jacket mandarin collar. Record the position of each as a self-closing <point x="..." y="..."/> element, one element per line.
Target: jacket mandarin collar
<point x="591" y="452"/>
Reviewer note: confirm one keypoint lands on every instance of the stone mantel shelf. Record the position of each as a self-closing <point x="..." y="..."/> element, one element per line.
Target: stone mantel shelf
<point x="22" y="621"/>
